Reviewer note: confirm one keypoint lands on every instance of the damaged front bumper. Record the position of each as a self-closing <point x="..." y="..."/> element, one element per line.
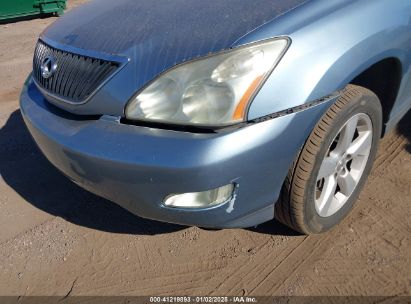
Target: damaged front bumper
<point x="138" y="167"/>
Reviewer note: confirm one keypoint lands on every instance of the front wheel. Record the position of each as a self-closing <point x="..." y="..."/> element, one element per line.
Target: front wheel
<point x="333" y="165"/>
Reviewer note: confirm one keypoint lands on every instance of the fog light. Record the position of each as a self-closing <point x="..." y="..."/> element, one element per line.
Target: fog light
<point x="200" y="199"/>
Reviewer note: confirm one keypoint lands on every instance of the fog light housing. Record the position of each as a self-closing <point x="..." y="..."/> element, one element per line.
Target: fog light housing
<point x="197" y="200"/>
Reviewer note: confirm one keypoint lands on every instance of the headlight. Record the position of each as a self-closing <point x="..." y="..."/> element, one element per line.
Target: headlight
<point x="213" y="91"/>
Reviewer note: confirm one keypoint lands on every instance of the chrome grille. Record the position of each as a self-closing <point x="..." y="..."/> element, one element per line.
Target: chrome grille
<point x="76" y="77"/>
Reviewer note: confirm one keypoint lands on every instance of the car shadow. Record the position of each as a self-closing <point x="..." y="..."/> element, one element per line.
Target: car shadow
<point x="274" y="227"/>
<point x="28" y="172"/>
<point x="404" y="128"/>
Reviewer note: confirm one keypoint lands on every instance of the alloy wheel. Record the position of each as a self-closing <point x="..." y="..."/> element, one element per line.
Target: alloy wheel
<point x="343" y="165"/>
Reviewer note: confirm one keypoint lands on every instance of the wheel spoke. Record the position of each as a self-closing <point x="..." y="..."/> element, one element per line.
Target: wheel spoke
<point x="327" y="167"/>
<point x="362" y="145"/>
<point x="347" y="183"/>
<point x="347" y="135"/>
<point x="327" y="196"/>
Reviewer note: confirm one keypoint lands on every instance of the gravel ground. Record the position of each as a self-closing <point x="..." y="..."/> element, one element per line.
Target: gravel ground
<point x="57" y="239"/>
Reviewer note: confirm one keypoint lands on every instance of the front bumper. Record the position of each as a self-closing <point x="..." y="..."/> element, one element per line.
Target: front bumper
<point x="137" y="167"/>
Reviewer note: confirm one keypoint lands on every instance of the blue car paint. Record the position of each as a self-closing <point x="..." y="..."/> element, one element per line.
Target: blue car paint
<point x="332" y="42"/>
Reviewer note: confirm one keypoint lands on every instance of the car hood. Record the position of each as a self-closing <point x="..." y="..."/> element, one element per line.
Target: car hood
<point x="173" y="30"/>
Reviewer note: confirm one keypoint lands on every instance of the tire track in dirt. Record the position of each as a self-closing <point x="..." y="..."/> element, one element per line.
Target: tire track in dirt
<point x="390" y="149"/>
<point x="249" y="271"/>
<point x="359" y="261"/>
<point x="293" y="263"/>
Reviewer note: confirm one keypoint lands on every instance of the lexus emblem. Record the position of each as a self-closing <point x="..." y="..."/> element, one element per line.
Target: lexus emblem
<point x="48" y="67"/>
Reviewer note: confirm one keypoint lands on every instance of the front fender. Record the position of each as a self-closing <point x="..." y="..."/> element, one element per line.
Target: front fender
<point x="332" y="43"/>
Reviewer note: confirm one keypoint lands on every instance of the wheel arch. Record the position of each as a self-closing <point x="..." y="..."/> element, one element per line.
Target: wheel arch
<point x="382" y="74"/>
<point x="384" y="79"/>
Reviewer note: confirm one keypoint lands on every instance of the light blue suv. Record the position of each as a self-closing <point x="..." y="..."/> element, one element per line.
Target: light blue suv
<point x="222" y="113"/>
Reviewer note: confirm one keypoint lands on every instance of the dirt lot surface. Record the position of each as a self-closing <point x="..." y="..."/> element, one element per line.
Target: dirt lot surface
<point x="57" y="239"/>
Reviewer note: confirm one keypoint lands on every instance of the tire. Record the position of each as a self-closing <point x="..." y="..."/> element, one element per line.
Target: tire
<point x="307" y="203"/>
